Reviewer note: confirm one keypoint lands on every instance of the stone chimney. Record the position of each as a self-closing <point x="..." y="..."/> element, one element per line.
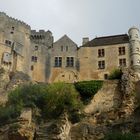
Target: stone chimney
<point x="85" y="40"/>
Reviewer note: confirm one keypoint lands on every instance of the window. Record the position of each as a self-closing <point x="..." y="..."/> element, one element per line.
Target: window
<point x="61" y="48"/>
<point x="70" y="61"/>
<point x="58" y="61"/>
<point x="32" y="67"/>
<point x="101" y="53"/>
<point x="101" y="64"/>
<point x="66" y="48"/>
<point x="122" y="62"/>
<point x="121" y="50"/>
<point x="8" y="43"/>
<point x="13" y="28"/>
<point x="34" y="59"/>
<point x="36" y="48"/>
<point x="105" y="76"/>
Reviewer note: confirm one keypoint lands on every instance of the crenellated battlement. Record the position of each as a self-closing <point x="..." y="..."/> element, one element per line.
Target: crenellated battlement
<point x="16" y="21"/>
<point x="40" y="32"/>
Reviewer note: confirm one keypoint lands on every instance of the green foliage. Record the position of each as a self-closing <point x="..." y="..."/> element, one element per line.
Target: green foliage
<point x="61" y="97"/>
<point x="88" y="89"/>
<point x="51" y="99"/>
<point x="115" y="74"/>
<point x="8" y="113"/>
<point x="120" y="136"/>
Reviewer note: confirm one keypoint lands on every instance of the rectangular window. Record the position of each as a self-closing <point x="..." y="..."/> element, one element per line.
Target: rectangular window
<point x="122" y="62"/>
<point x="61" y="48"/>
<point x="32" y="68"/>
<point x="58" y="62"/>
<point x="101" y="64"/>
<point x="121" y="50"/>
<point x="70" y="61"/>
<point x="34" y="59"/>
<point x="105" y="76"/>
<point x="66" y="48"/>
<point x="101" y="53"/>
<point x="8" y="43"/>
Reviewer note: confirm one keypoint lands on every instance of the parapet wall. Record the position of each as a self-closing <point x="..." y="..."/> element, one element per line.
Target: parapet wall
<point x="16" y="21"/>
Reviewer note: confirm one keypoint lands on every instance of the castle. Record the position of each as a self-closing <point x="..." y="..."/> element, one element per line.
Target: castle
<point x="36" y="54"/>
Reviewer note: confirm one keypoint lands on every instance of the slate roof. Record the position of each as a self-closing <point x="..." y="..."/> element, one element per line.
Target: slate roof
<point x="108" y="40"/>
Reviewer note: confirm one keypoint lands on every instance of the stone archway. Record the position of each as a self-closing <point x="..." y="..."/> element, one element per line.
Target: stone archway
<point x="66" y="76"/>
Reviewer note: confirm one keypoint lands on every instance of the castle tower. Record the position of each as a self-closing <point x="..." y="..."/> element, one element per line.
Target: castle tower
<point x="134" y="37"/>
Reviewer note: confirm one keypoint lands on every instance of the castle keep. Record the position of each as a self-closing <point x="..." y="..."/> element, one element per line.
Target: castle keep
<point x="36" y="54"/>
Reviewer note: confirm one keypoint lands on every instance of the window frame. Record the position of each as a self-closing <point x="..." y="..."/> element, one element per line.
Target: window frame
<point x="57" y="61"/>
<point x="70" y="61"/>
<point x="101" y="64"/>
<point x="101" y="52"/>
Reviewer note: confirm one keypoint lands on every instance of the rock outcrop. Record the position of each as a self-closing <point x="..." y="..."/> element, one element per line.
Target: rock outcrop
<point x="114" y="108"/>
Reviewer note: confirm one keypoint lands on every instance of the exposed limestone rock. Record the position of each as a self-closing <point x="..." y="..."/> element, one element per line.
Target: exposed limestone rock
<point x="114" y="107"/>
<point x="18" y="78"/>
<point x="106" y="99"/>
<point x="21" y="129"/>
<point x="4" y="80"/>
<point x="55" y="130"/>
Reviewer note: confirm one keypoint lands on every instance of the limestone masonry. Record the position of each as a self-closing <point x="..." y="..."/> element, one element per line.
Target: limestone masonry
<point x="36" y="54"/>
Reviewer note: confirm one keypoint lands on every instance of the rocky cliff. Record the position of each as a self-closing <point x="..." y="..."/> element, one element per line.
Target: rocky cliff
<point x="114" y="108"/>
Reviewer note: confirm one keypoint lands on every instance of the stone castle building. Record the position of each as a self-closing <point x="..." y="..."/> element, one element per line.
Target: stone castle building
<point x="36" y="53"/>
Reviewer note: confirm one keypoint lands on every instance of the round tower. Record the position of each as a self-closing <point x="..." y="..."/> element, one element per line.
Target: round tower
<point x="134" y="37"/>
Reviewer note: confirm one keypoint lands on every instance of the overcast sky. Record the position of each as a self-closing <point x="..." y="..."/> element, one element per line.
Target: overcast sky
<point x="76" y="18"/>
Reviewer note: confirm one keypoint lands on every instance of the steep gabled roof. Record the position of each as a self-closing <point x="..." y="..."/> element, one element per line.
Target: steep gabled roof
<point x="108" y="40"/>
<point x="65" y="38"/>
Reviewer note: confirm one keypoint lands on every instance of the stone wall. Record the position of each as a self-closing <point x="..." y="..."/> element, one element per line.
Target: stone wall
<point x="88" y="57"/>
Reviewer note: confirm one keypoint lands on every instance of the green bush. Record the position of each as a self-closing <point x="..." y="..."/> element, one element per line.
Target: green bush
<point x="61" y="97"/>
<point x="120" y="136"/>
<point x="88" y="89"/>
<point x="8" y="113"/>
<point x="51" y="99"/>
<point x="115" y="74"/>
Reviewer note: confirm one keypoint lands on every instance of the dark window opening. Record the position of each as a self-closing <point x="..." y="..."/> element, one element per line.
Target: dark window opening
<point x="121" y="50"/>
<point x="122" y="62"/>
<point x="70" y="61"/>
<point x="58" y="62"/>
<point x="66" y="48"/>
<point x="7" y="42"/>
<point x="36" y="48"/>
<point x="105" y="76"/>
<point x="34" y="59"/>
<point x="61" y="48"/>
<point x="32" y="67"/>
<point x="101" y="53"/>
<point x="101" y="64"/>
